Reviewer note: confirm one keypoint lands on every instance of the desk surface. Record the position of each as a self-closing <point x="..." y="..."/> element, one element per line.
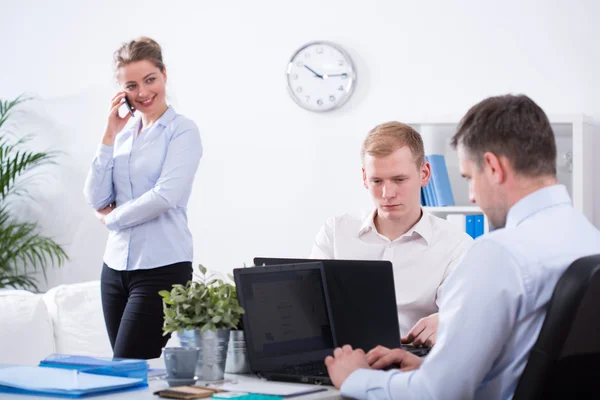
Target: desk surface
<point x="158" y="384"/>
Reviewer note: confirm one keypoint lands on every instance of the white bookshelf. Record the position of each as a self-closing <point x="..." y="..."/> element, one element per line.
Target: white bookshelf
<point x="575" y="167"/>
<point x="454" y="209"/>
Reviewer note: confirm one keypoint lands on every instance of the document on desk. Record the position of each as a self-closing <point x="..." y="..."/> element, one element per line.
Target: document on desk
<point x="61" y="381"/>
<point x="271" y="388"/>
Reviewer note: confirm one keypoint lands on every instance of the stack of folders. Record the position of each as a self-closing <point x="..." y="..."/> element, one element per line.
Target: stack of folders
<point x="475" y="225"/>
<point x="74" y="376"/>
<point x="438" y="191"/>
<point x="124" y="367"/>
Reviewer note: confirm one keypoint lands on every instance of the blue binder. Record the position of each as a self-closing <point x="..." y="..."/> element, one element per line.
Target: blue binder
<point x="470" y="225"/>
<point x="478" y="225"/>
<point x="428" y="194"/>
<point x="440" y="180"/>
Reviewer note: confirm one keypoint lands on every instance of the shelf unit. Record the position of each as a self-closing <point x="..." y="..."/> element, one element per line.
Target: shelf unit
<point x="575" y="134"/>
<point x="454" y="209"/>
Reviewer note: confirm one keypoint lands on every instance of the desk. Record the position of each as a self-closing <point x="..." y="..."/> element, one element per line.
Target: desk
<point x="159" y="384"/>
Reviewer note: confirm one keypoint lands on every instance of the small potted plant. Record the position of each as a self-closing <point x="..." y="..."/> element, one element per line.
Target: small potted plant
<point x="203" y="312"/>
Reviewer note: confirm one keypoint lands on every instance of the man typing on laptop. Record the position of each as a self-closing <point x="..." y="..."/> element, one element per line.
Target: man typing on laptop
<point x="495" y="301"/>
<point x="423" y="248"/>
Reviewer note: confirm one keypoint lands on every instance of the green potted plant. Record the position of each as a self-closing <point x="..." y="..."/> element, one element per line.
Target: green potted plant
<point x="203" y="312"/>
<point x="22" y="246"/>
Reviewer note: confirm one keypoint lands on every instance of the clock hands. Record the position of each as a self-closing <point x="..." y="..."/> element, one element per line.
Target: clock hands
<point x="324" y="76"/>
<point x="311" y="70"/>
<point x="328" y="76"/>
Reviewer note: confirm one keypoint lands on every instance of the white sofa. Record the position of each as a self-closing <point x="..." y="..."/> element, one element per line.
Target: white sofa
<point x="67" y="319"/>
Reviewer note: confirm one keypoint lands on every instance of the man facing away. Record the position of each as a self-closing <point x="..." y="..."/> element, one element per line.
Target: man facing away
<point x="495" y="301"/>
<point x="423" y="248"/>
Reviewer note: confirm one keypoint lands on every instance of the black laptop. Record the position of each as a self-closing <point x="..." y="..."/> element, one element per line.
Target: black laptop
<point x="362" y="297"/>
<point x="286" y="321"/>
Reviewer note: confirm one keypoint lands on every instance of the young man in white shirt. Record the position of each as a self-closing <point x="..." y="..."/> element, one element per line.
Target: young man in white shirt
<point x="495" y="301"/>
<point x="423" y="248"/>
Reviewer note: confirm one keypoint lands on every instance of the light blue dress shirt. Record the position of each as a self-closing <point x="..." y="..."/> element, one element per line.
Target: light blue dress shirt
<point x="150" y="177"/>
<point x="493" y="306"/>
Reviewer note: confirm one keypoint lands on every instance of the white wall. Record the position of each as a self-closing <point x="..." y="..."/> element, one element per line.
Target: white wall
<point x="272" y="172"/>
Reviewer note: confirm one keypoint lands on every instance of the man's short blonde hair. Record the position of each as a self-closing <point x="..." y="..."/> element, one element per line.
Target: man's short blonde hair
<point x="386" y="138"/>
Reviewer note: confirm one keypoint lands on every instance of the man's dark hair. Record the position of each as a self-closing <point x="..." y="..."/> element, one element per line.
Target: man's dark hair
<point x="510" y="126"/>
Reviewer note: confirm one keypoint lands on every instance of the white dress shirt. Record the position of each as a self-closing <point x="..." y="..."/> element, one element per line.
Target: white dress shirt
<point x="421" y="258"/>
<point x="493" y="306"/>
<point x="149" y="177"/>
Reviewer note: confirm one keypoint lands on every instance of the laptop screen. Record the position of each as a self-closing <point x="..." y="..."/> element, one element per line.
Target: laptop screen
<point x="286" y="319"/>
<point x="362" y="300"/>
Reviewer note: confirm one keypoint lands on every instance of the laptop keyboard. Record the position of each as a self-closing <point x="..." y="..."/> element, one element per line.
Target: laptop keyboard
<point x="313" y="369"/>
<point x="417" y="351"/>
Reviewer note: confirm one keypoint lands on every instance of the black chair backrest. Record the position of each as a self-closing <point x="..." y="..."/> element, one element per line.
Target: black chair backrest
<point x="565" y="360"/>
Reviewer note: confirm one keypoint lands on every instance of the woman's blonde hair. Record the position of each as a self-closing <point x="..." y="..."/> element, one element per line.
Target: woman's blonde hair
<point x="139" y="49"/>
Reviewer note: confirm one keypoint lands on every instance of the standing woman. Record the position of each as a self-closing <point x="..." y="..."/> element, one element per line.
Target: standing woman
<point x="139" y="183"/>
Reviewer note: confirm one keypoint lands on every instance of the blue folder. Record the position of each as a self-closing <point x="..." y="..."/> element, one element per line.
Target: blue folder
<point x="470" y="225"/>
<point x="125" y="367"/>
<point x="62" y="382"/>
<point x="440" y="180"/>
<point x="479" y="225"/>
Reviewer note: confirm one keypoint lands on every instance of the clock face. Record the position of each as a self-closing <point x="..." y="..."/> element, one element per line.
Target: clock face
<point x="321" y="76"/>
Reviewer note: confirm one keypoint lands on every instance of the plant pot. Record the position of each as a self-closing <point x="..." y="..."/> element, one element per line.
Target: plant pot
<point x="237" y="355"/>
<point x="213" y="351"/>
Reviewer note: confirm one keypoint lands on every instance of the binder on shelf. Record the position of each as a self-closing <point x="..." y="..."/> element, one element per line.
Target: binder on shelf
<point x="439" y="182"/>
<point x="435" y="200"/>
<point x="479" y="225"/>
<point x="428" y="195"/>
<point x="470" y="225"/>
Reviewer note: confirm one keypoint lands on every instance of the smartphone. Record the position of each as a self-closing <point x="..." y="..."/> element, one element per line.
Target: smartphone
<point x="129" y="107"/>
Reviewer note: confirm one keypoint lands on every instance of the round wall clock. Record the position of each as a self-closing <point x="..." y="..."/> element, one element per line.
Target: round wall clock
<point x="321" y="76"/>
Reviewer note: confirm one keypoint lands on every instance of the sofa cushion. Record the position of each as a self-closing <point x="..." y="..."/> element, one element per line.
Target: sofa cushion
<point x="76" y="312"/>
<point x="26" y="335"/>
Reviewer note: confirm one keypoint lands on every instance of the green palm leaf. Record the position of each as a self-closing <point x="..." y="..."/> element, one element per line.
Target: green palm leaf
<point x="6" y="107"/>
<point x="22" y="247"/>
<point x="15" y="162"/>
<point x="18" y="281"/>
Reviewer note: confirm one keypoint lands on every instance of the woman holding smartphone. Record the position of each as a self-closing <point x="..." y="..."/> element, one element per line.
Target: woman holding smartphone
<point x="139" y="183"/>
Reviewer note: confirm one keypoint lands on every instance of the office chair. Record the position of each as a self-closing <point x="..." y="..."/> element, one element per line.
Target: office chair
<point x="565" y="360"/>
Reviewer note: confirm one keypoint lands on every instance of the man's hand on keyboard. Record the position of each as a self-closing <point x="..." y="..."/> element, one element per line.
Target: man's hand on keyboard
<point x="381" y="357"/>
<point x="424" y="332"/>
<point x="344" y="362"/>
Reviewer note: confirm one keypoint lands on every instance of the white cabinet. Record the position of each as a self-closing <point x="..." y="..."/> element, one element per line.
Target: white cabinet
<point x="576" y="140"/>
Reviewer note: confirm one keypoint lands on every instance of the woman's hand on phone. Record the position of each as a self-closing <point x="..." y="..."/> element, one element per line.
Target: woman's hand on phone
<point x="115" y="123"/>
